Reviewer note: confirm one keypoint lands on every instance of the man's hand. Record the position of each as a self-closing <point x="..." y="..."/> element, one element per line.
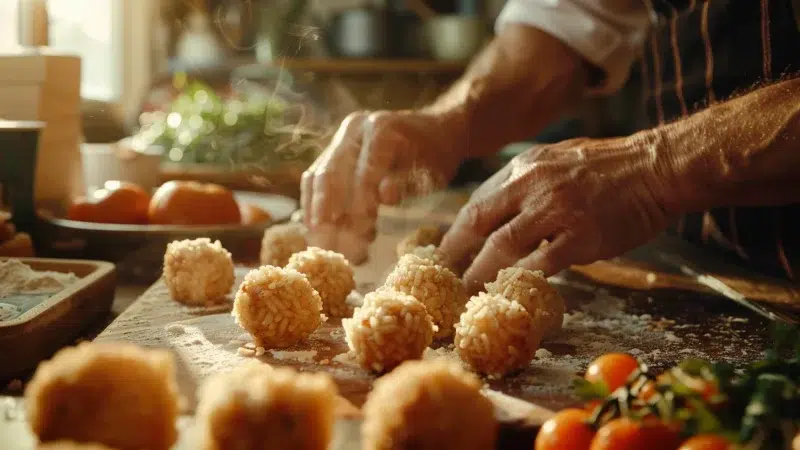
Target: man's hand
<point x="374" y="158"/>
<point x="590" y="199"/>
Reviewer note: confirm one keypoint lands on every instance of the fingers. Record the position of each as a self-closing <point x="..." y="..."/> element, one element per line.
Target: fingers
<point x="474" y="223"/>
<point x="506" y="246"/>
<point x="564" y="251"/>
<point x="326" y="188"/>
<point x="381" y="145"/>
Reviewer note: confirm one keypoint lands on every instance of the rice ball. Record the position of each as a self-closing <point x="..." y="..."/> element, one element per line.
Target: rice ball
<point x="198" y="271"/>
<point x="257" y="407"/>
<point x="421" y="237"/>
<point x="69" y="445"/>
<point x="439" y="289"/>
<point x="114" y="394"/>
<point x="280" y="242"/>
<point x="330" y="275"/>
<point x="531" y="289"/>
<point x="496" y="336"/>
<point x="388" y="328"/>
<point x="426" y="252"/>
<point x="277" y="306"/>
<point x="428" y="405"/>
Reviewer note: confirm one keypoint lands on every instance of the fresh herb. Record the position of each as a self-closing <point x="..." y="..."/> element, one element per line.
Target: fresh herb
<point x="244" y="130"/>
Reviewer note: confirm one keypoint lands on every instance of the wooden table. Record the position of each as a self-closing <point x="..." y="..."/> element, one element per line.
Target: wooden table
<point x="659" y="324"/>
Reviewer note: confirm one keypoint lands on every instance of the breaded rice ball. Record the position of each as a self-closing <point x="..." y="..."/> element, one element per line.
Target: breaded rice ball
<point x="439" y="289"/>
<point x="280" y="242"/>
<point x="496" y="336"/>
<point x="69" y="445"/>
<point x="388" y="328"/>
<point x="421" y="237"/>
<point x="427" y="252"/>
<point x="277" y="306"/>
<point x="198" y="271"/>
<point x="531" y="289"/>
<point x="425" y="405"/>
<point x="256" y="407"/>
<point x="115" y="394"/>
<point x="330" y="275"/>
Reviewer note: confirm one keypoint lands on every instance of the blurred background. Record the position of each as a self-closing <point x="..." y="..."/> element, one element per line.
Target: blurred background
<point x="244" y="93"/>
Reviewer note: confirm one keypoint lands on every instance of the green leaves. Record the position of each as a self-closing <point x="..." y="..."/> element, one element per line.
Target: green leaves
<point x="757" y="406"/>
<point x="203" y="127"/>
<point x="588" y="391"/>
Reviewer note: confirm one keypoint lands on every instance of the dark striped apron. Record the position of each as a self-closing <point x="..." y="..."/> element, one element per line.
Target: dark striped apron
<point x="702" y="52"/>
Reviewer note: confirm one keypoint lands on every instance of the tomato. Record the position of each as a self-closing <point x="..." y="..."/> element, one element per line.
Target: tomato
<point x="613" y="369"/>
<point x="193" y="203"/>
<point x="567" y="430"/>
<point x="117" y="202"/>
<point x="592" y="405"/>
<point x="628" y="434"/>
<point x="706" y="442"/>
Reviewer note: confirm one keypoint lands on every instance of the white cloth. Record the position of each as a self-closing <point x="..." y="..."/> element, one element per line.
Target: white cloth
<point x="607" y="33"/>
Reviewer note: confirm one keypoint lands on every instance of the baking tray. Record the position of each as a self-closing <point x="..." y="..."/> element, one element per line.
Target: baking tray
<point x="46" y="322"/>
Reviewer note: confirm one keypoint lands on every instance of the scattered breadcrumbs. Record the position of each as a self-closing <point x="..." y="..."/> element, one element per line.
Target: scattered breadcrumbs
<point x="198" y="271"/>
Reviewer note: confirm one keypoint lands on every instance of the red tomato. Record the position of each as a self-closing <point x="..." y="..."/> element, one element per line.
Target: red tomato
<point x="613" y="369"/>
<point x="706" y="442"/>
<point x="592" y="405"/>
<point x="567" y="430"/>
<point x="628" y="434"/>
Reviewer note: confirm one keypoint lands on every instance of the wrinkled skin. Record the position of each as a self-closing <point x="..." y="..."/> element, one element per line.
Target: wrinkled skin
<point x="590" y="199"/>
<point x="374" y="158"/>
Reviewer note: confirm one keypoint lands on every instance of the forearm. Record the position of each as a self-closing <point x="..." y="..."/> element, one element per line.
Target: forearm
<point x="520" y="83"/>
<point x="743" y="152"/>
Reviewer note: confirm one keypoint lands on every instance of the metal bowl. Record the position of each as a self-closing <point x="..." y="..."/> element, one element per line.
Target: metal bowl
<point x="138" y="250"/>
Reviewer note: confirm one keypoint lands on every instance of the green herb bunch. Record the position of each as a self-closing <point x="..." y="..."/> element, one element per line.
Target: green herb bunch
<point x="201" y="126"/>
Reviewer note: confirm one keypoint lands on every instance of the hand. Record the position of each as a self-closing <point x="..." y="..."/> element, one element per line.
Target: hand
<point x="591" y="199"/>
<point x="374" y="158"/>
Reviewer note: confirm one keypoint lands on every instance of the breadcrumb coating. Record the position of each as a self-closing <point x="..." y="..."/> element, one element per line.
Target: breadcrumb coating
<point x="330" y="275"/>
<point x="114" y="394"/>
<point x="531" y="289"/>
<point x="198" y="271"/>
<point x="424" y="405"/>
<point x="257" y="407"/>
<point x="421" y="237"/>
<point x="496" y="336"/>
<point x="439" y="289"/>
<point x="280" y="242"/>
<point x="388" y="328"/>
<point x="277" y="306"/>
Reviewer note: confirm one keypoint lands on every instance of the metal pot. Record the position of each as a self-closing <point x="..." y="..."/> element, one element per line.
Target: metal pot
<point x="358" y="33"/>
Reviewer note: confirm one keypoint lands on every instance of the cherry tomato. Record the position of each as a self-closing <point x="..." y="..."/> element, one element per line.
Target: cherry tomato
<point x="613" y="369"/>
<point x="592" y="405"/>
<point x="567" y="430"/>
<point x="706" y="442"/>
<point x="628" y="434"/>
